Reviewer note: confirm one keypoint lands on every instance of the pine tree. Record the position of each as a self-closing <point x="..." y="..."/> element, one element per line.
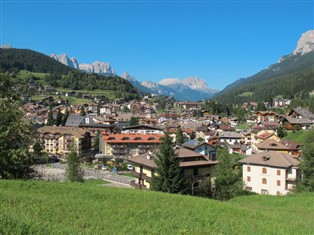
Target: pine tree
<point x="74" y="171"/>
<point x="169" y="176"/>
<point x="96" y="142"/>
<point x="65" y="117"/>
<point x="179" y="136"/>
<point x="82" y="112"/>
<point x="133" y="121"/>
<point x="228" y="182"/>
<point x="50" y="121"/>
<point x="16" y="134"/>
<point x="307" y="165"/>
<point x="59" y="118"/>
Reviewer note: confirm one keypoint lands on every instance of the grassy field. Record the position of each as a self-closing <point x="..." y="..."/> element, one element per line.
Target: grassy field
<point x="33" y="207"/>
<point x="298" y="136"/>
<point x="246" y="94"/>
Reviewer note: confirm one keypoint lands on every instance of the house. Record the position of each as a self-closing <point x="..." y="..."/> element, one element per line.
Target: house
<point x="201" y="147"/>
<point x="230" y="137"/>
<point x="266" y="116"/>
<point x="271" y="145"/>
<point x="294" y="147"/>
<point x="281" y="103"/>
<point x="273" y="173"/>
<point x="297" y="123"/>
<point x="125" y="145"/>
<point x="196" y="167"/>
<point x="301" y="113"/>
<point x="58" y="140"/>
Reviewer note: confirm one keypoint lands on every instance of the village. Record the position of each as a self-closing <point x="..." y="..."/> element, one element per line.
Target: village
<point x="118" y="134"/>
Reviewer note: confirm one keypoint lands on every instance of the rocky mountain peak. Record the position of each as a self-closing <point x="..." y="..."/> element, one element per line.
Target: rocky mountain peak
<point x="126" y="76"/>
<point x="64" y="59"/>
<point x="305" y="43"/>
<point x="97" y="67"/>
<point x="170" y="81"/>
<point x="195" y="83"/>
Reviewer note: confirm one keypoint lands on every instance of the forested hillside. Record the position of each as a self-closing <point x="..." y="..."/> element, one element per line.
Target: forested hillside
<point x="59" y="75"/>
<point x="24" y="59"/>
<point x="295" y="74"/>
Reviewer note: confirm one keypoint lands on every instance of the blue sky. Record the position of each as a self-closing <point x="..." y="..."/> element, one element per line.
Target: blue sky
<point x="218" y="41"/>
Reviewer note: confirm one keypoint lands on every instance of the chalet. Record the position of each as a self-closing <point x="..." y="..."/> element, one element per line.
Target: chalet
<point x="201" y="147"/>
<point x="266" y="116"/>
<point x="273" y="173"/>
<point x="271" y="145"/>
<point x="230" y="137"/>
<point x="281" y="103"/>
<point x="297" y="123"/>
<point x="196" y="167"/>
<point x="301" y="113"/>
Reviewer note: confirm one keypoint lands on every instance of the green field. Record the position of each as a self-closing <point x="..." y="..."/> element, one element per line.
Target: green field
<point x="34" y="207"/>
<point x="298" y="136"/>
<point x="246" y="94"/>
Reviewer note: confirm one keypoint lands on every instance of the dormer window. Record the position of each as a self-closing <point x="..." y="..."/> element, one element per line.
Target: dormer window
<point x="125" y="138"/>
<point x="151" y="138"/>
<point x="111" y="138"/>
<point x="137" y="138"/>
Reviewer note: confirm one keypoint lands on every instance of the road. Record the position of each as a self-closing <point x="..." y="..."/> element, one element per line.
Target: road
<point x="56" y="172"/>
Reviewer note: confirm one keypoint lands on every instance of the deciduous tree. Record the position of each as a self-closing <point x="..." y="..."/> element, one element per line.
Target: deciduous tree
<point x="74" y="171"/>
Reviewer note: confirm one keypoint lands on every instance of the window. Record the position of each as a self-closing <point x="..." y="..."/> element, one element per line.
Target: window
<point x="248" y="179"/>
<point x="278" y="182"/>
<point x="278" y="193"/>
<point x="264" y="181"/>
<point x="264" y="191"/>
<point x="264" y="170"/>
<point x="278" y="172"/>
<point x="249" y="169"/>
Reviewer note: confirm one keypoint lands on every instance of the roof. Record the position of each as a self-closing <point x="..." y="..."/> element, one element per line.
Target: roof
<point x="303" y="121"/>
<point x="304" y="113"/>
<point x="74" y="120"/>
<point x="272" y="159"/>
<point x="141" y="127"/>
<point x="230" y="135"/>
<point x="148" y="161"/>
<point x="291" y="144"/>
<point x="193" y="144"/>
<point x="132" y="138"/>
<point x="76" y="132"/>
<point x="271" y="145"/>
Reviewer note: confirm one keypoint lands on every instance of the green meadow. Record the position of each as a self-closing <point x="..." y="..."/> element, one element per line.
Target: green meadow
<point x="37" y="207"/>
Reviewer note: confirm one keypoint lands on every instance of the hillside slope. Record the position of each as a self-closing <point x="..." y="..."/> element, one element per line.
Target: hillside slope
<point x="290" y="76"/>
<point x="34" y="207"/>
<point x="24" y="59"/>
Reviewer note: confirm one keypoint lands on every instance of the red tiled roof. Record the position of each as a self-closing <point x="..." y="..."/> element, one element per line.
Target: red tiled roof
<point x="132" y="138"/>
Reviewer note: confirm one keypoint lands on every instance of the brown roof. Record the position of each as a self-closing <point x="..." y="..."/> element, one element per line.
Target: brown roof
<point x="75" y="131"/>
<point x="144" y="160"/>
<point x="272" y="145"/>
<point x="303" y="121"/>
<point x="272" y="158"/>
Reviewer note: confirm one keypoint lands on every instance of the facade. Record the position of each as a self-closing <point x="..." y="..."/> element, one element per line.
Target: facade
<point x="125" y="145"/>
<point x="196" y="167"/>
<point x="58" y="140"/>
<point x="230" y="137"/>
<point x="271" y="173"/>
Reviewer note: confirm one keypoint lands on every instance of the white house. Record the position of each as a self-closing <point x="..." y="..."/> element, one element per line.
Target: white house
<point x="230" y="137"/>
<point x="273" y="173"/>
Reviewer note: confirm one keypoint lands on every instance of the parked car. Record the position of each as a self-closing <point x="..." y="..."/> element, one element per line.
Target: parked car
<point x="104" y="168"/>
<point x="130" y="167"/>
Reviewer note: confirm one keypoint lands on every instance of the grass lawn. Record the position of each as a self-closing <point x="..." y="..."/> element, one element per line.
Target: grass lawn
<point x="298" y="136"/>
<point x="38" y="207"/>
<point x="72" y="100"/>
<point x="243" y="126"/>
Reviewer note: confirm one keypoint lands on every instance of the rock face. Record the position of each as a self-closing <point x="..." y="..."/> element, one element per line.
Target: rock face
<point x="305" y="43"/>
<point x="64" y="59"/>
<point x="97" y="67"/>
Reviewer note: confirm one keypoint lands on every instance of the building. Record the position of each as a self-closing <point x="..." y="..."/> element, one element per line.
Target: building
<point x="301" y="113"/>
<point x="273" y="173"/>
<point x="196" y="167"/>
<point x="142" y="129"/>
<point x="125" y="145"/>
<point x="58" y="140"/>
<point x="230" y="137"/>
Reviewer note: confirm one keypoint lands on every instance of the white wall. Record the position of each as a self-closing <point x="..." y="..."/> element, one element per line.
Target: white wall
<point x="271" y="177"/>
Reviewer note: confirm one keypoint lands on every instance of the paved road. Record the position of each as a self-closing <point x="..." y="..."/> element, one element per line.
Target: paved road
<point x="56" y="172"/>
